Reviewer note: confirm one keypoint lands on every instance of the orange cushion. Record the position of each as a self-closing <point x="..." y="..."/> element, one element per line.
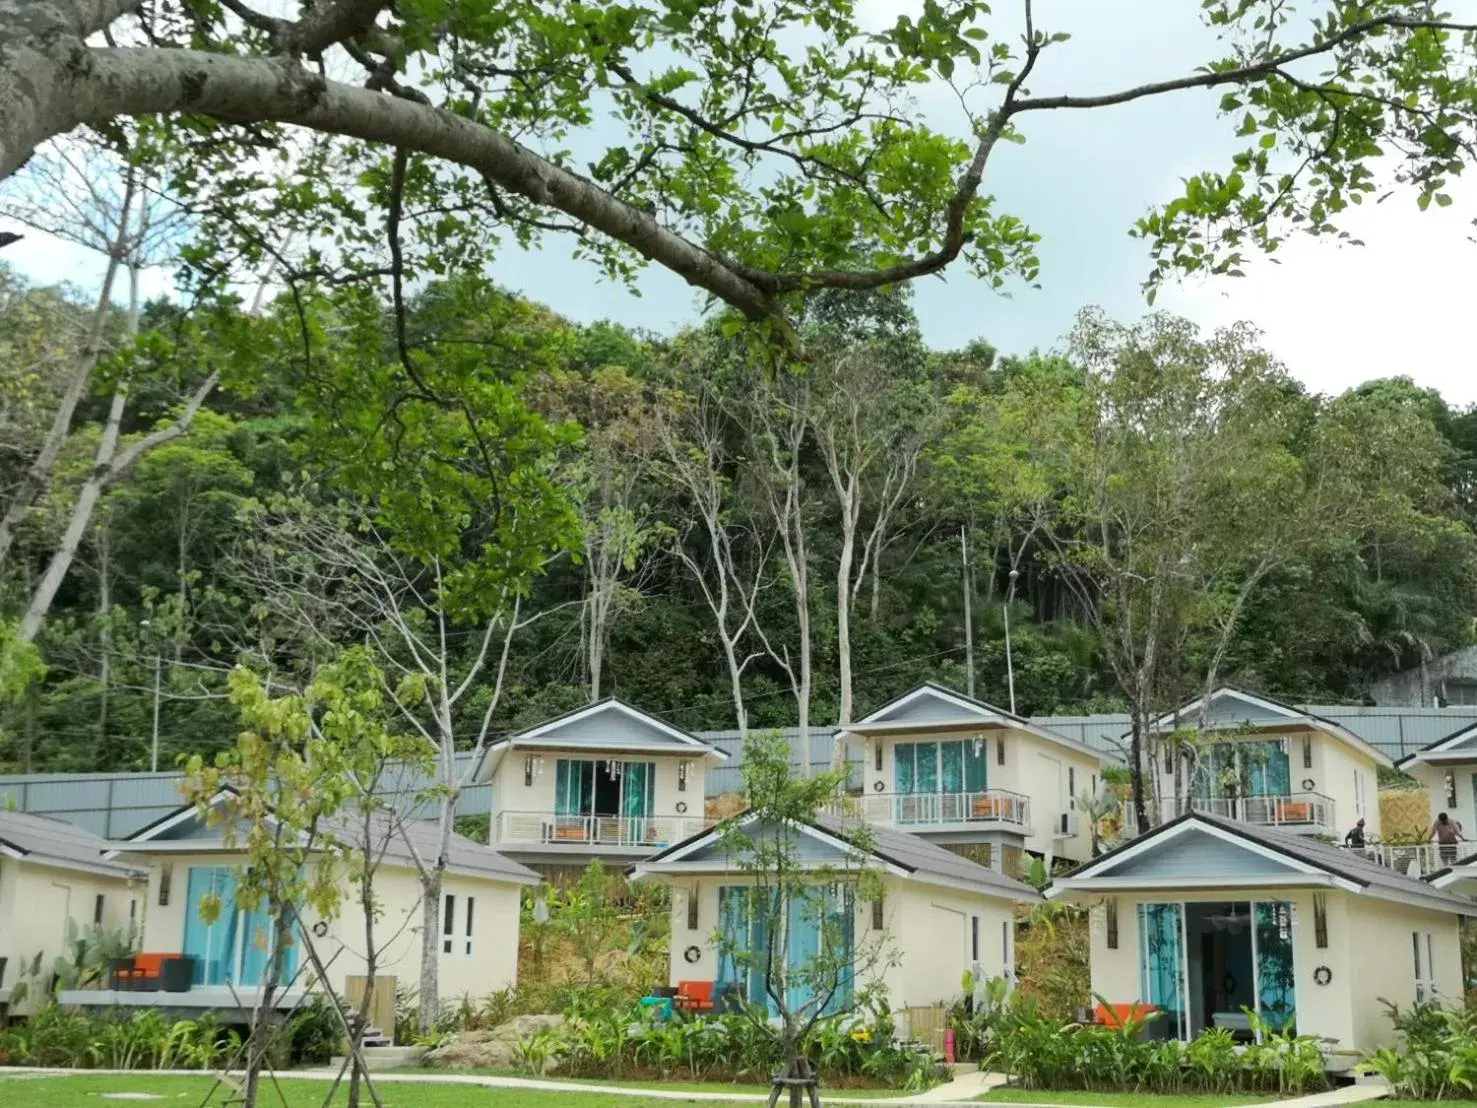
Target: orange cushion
<point x="149" y="965"/>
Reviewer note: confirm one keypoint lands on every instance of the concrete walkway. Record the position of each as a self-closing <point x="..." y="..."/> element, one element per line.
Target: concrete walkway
<point x="1349" y="1094"/>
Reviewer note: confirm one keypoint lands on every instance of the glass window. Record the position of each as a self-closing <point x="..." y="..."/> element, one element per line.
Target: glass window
<point x="448" y="925"/>
<point x="951" y="768"/>
<point x="469" y="924"/>
<point x="974" y="938"/>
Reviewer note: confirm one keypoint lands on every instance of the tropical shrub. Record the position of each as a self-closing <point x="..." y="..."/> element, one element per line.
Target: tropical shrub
<point x="1437" y="1055"/>
<point x="604" y="1035"/>
<point x="313" y="1034"/>
<point x="1041" y="1052"/>
<point x="144" y="1040"/>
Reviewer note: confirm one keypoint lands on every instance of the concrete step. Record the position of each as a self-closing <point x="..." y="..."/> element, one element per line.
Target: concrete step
<point x="388" y="1057"/>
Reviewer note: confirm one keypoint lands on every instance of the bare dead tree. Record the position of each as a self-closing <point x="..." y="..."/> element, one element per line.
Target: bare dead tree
<point x="325" y="574"/>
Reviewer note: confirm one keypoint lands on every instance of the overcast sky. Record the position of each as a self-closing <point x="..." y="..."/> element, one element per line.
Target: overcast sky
<point x="1401" y="304"/>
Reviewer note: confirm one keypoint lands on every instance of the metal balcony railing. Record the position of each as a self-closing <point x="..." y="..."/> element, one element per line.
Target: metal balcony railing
<point x="983" y="807"/>
<point x="1304" y="811"/>
<point x="553" y="829"/>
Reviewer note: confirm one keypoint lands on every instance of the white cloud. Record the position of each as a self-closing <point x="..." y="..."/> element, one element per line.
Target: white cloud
<point x="1402" y="304"/>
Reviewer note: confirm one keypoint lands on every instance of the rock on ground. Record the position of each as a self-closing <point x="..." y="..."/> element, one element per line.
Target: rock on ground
<point x="494" y="1049"/>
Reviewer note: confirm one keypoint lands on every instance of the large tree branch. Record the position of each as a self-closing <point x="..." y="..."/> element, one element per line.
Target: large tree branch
<point x="142" y="81"/>
<point x="125" y="460"/>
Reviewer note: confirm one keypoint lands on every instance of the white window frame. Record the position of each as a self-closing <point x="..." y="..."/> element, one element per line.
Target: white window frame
<point x="1425" y="982"/>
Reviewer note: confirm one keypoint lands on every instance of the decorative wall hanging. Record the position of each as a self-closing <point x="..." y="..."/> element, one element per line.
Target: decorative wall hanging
<point x="1309" y="784"/>
<point x="320" y="928"/>
<point x="1322" y="975"/>
<point x="692" y="955"/>
<point x="681" y="807"/>
<point x="878" y="786"/>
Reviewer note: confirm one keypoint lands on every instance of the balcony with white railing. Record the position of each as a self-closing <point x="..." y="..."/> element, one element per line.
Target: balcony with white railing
<point x="986" y="809"/>
<point x="626" y="834"/>
<point x="1304" y="813"/>
<point x="1416" y="859"/>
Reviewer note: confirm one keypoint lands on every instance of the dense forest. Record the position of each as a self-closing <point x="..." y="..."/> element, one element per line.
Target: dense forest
<point x="537" y="514"/>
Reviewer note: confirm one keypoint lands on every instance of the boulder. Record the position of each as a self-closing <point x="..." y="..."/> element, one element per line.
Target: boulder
<point x="494" y="1049"/>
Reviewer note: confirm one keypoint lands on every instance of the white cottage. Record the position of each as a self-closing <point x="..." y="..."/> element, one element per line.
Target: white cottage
<point x="607" y="781"/>
<point x="188" y="861"/>
<point x="959" y="771"/>
<point x="55" y="881"/>
<point x="940" y="915"/>
<point x="1204" y="917"/>
<point x="1262" y="762"/>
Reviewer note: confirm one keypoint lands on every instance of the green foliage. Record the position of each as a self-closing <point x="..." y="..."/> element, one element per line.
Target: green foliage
<point x="144" y="1039"/>
<point x="606" y="1036"/>
<point x="1038" y="1052"/>
<point x="585" y="915"/>
<point x="1437" y="1055"/>
<point x="313" y="1034"/>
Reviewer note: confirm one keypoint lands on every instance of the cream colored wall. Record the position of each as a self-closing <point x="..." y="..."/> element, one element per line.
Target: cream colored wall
<point x="1335" y="765"/>
<point x="36" y="901"/>
<point x="1323" y="1010"/>
<point x="919" y="957"/>
<point x="1434" y="779"/>
<point x="492" y="965"/>
<point x="1385" y="965"/>
<point x="931" y="932"/>
<point x="1026" y="771"/>
<point x="512" y="795"/>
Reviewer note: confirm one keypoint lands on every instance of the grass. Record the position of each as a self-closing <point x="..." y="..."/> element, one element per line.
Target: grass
<point x="677" y="1086"/>
<point x="39" y="1091"/>
<point x="1111" y="1100"/>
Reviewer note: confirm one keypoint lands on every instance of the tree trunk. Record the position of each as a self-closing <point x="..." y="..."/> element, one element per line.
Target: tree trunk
<point x="38" y="477"/>
<point x="108" y="466"/>
<point x="429" y="995"/>
<point x="105" y="641"/>
<point x="1137" y="769"/>
<point x="843" y="626"/>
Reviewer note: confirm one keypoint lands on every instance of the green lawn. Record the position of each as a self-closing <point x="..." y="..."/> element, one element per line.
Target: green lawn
<point x="188" y="1092"/>
<point x="1128" y="1100"/>
<point x="679" y="1086"/>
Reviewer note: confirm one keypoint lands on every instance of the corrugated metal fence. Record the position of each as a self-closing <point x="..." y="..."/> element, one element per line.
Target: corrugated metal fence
<point x="114" y="805"/>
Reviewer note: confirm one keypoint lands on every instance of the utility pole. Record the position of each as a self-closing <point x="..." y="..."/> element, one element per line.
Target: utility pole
<point x="1009" y="663"/>
<point x="968" y="580"/>
<point x="154" y="742"/>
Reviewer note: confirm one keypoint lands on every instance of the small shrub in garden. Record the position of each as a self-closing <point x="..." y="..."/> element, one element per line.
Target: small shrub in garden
<point x="1437" y="1058"/>
<point x="1042" y="1053"/>
<point x="143" y="1040"/>
<point x="604" y="1036"/>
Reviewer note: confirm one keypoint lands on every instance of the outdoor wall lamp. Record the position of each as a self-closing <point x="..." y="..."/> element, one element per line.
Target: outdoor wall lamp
<point x="532" y="764"/>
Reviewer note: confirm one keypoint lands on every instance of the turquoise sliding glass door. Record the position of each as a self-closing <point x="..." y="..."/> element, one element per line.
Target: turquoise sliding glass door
<point x="258" y="937"/>
<point x="1162" y="964"/>
<point x="1275" y="981"/>
<point x="748" y="920"/>
<point x="213" y="944"/>
<point x="235" y="947"/>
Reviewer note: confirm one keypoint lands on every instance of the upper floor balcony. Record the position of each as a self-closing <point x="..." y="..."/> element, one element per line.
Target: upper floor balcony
<point x="636" y="835"/>
<point x="1301" y="813"/>
<point x="981" y="809"/>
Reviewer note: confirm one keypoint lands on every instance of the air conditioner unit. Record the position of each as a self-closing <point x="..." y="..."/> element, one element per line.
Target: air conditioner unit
<point x="1067" y="826"/>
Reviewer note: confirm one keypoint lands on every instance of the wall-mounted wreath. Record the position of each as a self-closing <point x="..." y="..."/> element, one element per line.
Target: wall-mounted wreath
<point x="692" y="955"/>
<point x="681" y="807"/>
<point x="1309" y="784"/>
<point x="320" y="928"/>
<point x="1323" y="975"/>
<point x="878" y="786"/>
